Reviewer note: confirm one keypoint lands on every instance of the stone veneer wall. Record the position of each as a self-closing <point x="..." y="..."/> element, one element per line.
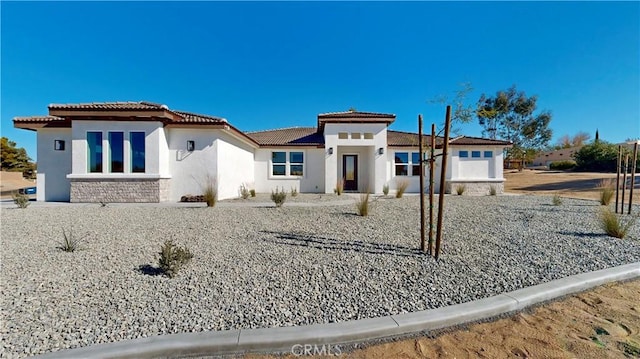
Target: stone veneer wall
<point x="120" y="190"/>
<point x="473" y="188"/>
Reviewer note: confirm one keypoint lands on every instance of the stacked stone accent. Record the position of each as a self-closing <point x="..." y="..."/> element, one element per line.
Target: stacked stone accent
<point x="473" y="188"/>
<point x="120" y="190"/>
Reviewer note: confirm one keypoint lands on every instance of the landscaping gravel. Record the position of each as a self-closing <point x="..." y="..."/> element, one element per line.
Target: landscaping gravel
<point x="265" y="267"/>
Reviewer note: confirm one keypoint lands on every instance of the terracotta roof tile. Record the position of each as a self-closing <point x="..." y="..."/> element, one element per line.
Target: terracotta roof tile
<point x="294" y="136"/>
<point x="197" y="118"/>
<point x="403" y="139"/>
<point x="122" y="106"/>
<point x="32" y="119"/>
<point x="478" y="141"/>
<point x="354" y="114"/>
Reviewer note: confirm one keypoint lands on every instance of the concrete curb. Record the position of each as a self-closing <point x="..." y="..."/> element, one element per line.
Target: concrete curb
<point x="283" y="338"/>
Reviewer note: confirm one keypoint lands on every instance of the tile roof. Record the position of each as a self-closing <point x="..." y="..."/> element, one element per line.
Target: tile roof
<point x="197" y="118"/>
<point x="478" y="141"/>
<point x="294" y="136"/>
<point x="355" y="114"/>
<point x="33" y="119"/>
<point x="107" y="106"/>
<point x="399" y="138"/>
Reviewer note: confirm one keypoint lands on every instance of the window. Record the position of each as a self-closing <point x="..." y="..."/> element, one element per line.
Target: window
<point x="355" y="135"/>
<point x="293" y="167"/>
<point x="463" y="154"/>
<point x="488" y="154"/>
<point x="94" y="143"/>
<point x="343" y="135"/>
<point x="296" y="163"/>
<point x="58" y="145"/>
<point x="415" y="163"/>
<point x="116" y="151"/>
<point x="475" y="154"/>
<point x="368" y="136"/>
<point x="402" y="163"/>
<point x="136" y="140"/>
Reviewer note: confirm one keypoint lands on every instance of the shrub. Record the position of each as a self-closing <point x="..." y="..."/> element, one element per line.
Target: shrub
<point x="339" y="187"/>
<point x="362" y="204"/>
<point x="22" y="200"/>
<point x="556" y="200"/>
<point x="385" y="189"/>
<point x="210" y="193"/>
<point x="562" y="165"/>
<point x="492" y="190"/>
<point x="70" y="243"/>
<point x="278" y="197"/>
<point x="599" y="156"/>
<point x="401" y="187"/>
<point x="294" y="192"/>
<point x="244" y="192"/>
<point x="252" y="192"/>
<point x="614" y="225"/>
<point x="460" y="189"/>
<point x="172" y="258"/>
<point x="607" y="190"/>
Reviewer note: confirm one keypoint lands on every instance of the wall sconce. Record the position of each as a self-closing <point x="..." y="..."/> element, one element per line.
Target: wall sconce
<point x="381" y="151"/>
<point x="330" y="150"/>
<point x="58" y="145"/>
<point x="191" y="145"/>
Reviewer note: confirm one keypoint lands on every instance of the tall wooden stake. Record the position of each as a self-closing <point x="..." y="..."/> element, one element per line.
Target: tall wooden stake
<point x="618" y="176"/>
<point x="633" y="176"/>
<point x="423" y="242"/>
<point x="624" y="181"/>
<point x="443" y="173"/>
<point x="432" y="184"/>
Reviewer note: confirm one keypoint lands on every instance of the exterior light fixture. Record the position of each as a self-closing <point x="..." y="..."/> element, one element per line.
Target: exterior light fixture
<point x="381" y="150"/>
<point x="330" y="150"/>
<point x="191" y="145"/>
<point x="58" y="145"/>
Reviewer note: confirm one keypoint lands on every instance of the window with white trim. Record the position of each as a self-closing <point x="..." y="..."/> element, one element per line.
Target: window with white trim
<point x="488" y="154"/>
<point x="287" y="163"/>
<point x="475" y="154"/>
<point x="407" y="163"/>
<point x="463" y="154"/>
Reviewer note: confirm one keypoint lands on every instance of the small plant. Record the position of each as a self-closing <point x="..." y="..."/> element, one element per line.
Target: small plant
<point x="385" y="189"/>
<point x="252" y="192"/>
<point x="172" y="258"/>
<point x="210" y="193"/>
<point x="294" y="192"/>
<point x="607" y="190"/>
<point x="278" y="197"/>
<point x="562" y="165"/>
<point x="614" y="225"/>
<point x="22" y="200"/>
<point x="492" y="190"/>
<point x="460" y="189"/>
<point x="401" y="186"/>
<point x="244" y="192"/>
<point x="556" y="200"/>
<point x="70" y="243"/>
<point x="362" y="204"/>
<point x="339" y="187"/>
<point x="103" y="204"/>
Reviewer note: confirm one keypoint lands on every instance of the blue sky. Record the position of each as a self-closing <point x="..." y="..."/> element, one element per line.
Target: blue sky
<point x="266" y="65"/>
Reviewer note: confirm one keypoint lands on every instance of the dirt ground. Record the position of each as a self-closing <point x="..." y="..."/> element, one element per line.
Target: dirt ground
<point x="601" y="323"/>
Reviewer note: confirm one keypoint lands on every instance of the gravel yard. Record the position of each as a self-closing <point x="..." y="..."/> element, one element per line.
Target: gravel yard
<point x="264" y="267"/>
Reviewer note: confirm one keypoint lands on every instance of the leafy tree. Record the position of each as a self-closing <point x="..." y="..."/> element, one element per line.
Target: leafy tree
<point x="510" y="115"/>
<point x="461" y="113"/>
<point x="599" y="156"/>
<point x="15" y="159"/>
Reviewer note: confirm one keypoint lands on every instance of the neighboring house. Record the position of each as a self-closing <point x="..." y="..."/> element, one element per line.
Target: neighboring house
<point x="146" y="152"/>
<point x="547" y="157"/>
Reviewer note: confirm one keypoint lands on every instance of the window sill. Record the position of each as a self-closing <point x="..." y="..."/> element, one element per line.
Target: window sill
<point x="116" y="176"/>
<point x="285" y="177"/>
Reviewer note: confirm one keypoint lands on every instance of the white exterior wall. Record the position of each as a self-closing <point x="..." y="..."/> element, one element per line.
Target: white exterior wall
<point x="311" y="182"/>
<point x="155" y="144"/>
<point x="53" y="166"/>
<point x="235" y="166"/>
<point x="474" y="169"/>
<point x="376" y="164"/>
<point x="414" y="181"/>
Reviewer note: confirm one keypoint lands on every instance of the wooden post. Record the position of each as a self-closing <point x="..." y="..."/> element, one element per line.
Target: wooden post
<point x="443" y="173"/>
<point x="423" y="242"/>
<point x="624" y="181"/>
<point x="432" y="183"/>
<point x="633" y="176"/>
<point x="618" y="176"/>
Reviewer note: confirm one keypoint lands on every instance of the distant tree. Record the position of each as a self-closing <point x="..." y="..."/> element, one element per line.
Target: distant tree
<point x="461" y="112"/>
<point x="15" y="159"/>
<point x="579" y="139"/>
<point x="599" y="156"/>
<point x="510" y="116"/>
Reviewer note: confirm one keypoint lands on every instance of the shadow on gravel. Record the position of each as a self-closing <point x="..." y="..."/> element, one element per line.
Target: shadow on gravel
<point x="149" y="270"/>
<point x="582" y="234"/>
<point x="294" y="239"/>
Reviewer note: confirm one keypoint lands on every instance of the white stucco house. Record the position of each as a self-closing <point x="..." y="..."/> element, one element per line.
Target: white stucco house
<point x="147" y="152"/>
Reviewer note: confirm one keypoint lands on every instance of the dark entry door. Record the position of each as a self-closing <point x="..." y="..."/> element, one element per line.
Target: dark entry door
<point x="350" y="172"/>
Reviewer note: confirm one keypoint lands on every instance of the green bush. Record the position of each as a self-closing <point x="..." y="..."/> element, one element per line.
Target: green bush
<point x="614" y="225"/>
<point x="278" y="197"/>
<point x="22" y="200"/>
<point x="562" y="165"/>
<point x="599" y="156"/>
<point x="252" y="192"/>
<point x="401" y="187"/>
<point x="362" y="204"/>
<point x="172" y="258"/>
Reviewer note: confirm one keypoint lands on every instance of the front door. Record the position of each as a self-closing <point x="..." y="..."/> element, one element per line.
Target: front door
<point x="350" y="172"/>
